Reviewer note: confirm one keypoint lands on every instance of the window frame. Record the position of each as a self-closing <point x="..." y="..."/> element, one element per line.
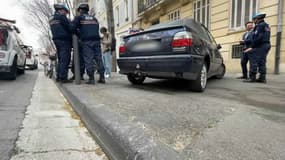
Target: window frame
<point x="207" y="8"/>
<point x="233" y="13"/>
<point x="171" y="15"/>
<point x="126" y="3"/>
<point x="117" y="17"/>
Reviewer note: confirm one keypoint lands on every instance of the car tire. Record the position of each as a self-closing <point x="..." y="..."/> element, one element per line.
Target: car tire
<point x="13" y="73"/>
<point x="136" y="80"/>
<point x="221" y="72"/>
<point x="200" y="84"/>
<point x="36" y="66"/>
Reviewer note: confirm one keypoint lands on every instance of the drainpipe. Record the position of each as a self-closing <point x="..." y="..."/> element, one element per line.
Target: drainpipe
<point x="278" y="36"/>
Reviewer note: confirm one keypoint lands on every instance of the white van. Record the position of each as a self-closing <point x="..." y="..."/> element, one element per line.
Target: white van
<point x="12" y="56"/>
<point x="31" y="58"/>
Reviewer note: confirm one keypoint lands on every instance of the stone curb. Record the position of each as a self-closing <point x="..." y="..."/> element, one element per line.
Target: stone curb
<point x="120" y="139"/>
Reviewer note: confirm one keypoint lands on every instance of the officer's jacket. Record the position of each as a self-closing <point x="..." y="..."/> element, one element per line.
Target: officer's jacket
<point x="60" y="27"/>
<point x="261" y="34"/>
<point x="88" y="27"/>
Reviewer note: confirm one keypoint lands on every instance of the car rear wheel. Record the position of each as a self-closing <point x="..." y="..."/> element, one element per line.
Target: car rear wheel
<point x="200" y="83"/>
<point x="221" y="72"/>
<point x="22" y="70"/>
<point x="135" y="79"/>
<point x="13" y="73"/>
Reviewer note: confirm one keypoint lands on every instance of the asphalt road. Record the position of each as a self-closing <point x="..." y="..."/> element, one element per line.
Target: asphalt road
<point x="14" y="98"/>
<point x="231" y="120"/>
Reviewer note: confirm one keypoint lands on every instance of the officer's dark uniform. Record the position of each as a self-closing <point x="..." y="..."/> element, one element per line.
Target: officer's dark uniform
<point x="90" y="40"/>
<point x="61" y="35"/>
<point x="261" y="46"/>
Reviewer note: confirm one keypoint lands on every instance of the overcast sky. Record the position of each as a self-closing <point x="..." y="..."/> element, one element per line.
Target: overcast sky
<point x="11" y="9"/>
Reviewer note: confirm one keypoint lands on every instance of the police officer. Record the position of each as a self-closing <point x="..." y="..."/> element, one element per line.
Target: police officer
<point x="260" y="47"/>
<point x="88" y="27"/>
<point x="61" y="35"/>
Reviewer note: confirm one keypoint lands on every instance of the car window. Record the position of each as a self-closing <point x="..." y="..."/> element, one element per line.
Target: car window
<point x="212" y="40"/>
<point x="205" y="35"/>
<point x="3" y="39"/>
<point x="19" y="41"/>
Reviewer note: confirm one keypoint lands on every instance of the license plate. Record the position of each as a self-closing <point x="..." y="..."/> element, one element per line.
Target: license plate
<point x="147" y="46"/>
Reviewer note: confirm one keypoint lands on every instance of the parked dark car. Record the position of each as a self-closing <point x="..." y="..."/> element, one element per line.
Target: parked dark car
<point x="182" y="49"/>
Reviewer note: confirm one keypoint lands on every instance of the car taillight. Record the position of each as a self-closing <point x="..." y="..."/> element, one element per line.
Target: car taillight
<point x="122" y="49"/>
<point x="182" y="39"/>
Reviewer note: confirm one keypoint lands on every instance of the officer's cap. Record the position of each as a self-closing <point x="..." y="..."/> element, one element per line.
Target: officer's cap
<point x="83" y="6"/>
<point x="60" y="6"/>
<point x="259" y="16"/>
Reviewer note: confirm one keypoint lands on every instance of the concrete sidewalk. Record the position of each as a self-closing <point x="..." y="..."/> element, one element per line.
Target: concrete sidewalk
<point x="162" y="120"/>
<point x="52" y="131"/>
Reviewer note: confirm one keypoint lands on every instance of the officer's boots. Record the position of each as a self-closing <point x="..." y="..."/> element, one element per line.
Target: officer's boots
<point x="250" y="80"/>
<point x="261" y="79"/>
<point x="91" y="80"/>
<point x="102" y="79"/>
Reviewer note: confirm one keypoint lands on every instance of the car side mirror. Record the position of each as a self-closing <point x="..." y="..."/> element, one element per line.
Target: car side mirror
<point x="17" y="29"/>
<point x="219" y="46"/>
<point x="23" y="46"/>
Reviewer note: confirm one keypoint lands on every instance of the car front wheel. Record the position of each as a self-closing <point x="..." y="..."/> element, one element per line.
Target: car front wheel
<point x="135" y="79"/>
<point x="200" y="83"/>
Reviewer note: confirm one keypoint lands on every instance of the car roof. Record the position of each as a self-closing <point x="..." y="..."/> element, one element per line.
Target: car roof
<point x="6" y="24"/>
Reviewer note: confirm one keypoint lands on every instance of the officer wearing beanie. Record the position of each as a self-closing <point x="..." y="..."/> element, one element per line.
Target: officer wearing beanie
<point x="88" y="28"/>
<point x="61" y="35"/>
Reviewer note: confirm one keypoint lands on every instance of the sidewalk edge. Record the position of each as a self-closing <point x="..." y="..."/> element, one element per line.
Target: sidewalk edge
<point x="119" y="140"/>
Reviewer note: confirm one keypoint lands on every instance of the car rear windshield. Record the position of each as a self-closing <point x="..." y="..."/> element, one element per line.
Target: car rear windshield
<point x="3" y="39"/>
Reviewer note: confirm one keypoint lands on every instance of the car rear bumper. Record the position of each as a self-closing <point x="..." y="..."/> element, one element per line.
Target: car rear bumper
<point x="29" y="62"/>
<point x="5" y="68"/>
<point x="166" y="66"/>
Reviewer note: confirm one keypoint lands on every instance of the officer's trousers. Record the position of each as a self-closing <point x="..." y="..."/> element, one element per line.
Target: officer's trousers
<point x="63" y="54"/>
<point x="257" y="59"/>
<point x="261" y="63"/>
<point x="92" y="50"/>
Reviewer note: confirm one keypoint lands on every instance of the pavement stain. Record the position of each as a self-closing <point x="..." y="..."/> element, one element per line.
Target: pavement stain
<point x="72" y="113"/>
<point x="99" y="151"/>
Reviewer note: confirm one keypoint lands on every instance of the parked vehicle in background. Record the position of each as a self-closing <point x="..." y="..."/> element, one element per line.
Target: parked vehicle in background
<point x="12" y="55"/>
<point x="182" y="49"/>
<point x="31" y="58"/>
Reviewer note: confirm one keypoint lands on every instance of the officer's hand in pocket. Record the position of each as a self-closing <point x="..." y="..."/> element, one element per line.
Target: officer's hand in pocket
<point x="248" y="50"/>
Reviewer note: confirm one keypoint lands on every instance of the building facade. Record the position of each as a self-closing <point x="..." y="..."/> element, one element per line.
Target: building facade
<point x="224" y="18"/>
